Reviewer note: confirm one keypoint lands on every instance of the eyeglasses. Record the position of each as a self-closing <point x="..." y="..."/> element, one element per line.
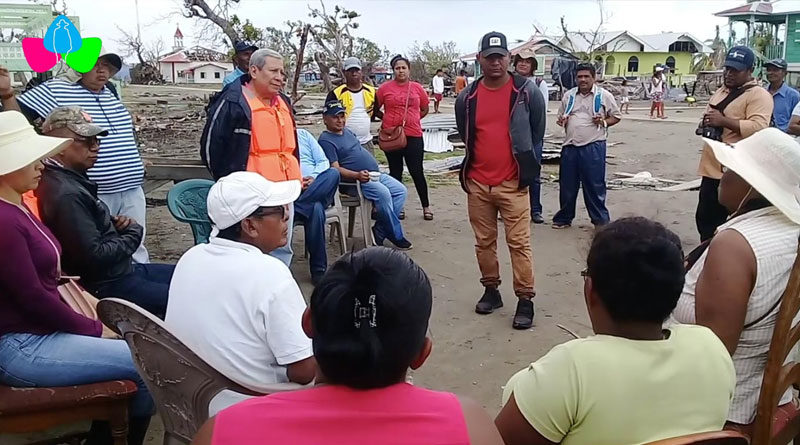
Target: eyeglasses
<point x="585" y="273"/>
<point x="87" y="141"/>
<point x="268" y="211"/>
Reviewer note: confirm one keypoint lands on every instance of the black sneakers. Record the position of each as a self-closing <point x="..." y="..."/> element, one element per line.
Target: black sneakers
<point x="536" y="218"/>
<point x="490" y="301"/>
<point x="523" y="318"/>
<point x="402" y="244"/>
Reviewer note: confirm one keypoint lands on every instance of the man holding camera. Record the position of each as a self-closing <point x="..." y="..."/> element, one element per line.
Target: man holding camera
<point x="735" y="111"/>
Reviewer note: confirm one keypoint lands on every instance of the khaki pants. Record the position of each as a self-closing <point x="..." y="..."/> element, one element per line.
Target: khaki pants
<point x="483" y="203"/>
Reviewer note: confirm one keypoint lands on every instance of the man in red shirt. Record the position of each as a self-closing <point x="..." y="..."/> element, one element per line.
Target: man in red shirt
<point x="500" y="119"/>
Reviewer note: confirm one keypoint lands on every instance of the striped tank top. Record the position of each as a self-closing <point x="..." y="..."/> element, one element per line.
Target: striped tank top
<point x="119" y="167"/>
<point x="773" y="238"/>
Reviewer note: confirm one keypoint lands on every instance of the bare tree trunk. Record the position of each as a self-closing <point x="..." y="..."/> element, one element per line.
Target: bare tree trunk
<point x="208" y="13"/>
<point x="298" y="65"/>
<point x="325" y="71"/>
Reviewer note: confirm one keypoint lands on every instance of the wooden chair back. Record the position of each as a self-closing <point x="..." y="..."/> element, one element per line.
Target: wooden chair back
<point x="712" y="438"/>
<point x="778" y="377"/>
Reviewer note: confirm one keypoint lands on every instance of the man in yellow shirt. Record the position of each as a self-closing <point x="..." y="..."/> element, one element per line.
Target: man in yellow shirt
<point x="632" y="382"/>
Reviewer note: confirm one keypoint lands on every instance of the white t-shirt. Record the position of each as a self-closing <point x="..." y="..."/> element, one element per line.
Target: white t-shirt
<point x="438" y="85"/>
<point x="239" y="310"/>
<point x="358" y="120"/>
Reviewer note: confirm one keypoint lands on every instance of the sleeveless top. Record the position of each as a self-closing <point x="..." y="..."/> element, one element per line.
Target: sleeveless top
<point x="272" y="139"/>
<point x="335" y="414"/>
<point x="773" y="238"/>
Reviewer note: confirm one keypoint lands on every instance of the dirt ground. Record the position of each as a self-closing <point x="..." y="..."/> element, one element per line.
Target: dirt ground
<point x="473" y="355"/>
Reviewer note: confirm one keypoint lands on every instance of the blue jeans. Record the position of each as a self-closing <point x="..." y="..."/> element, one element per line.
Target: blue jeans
<point x="286" y="253"/>
<point x="130" y="203"/>
<point x="583" y="166"/>
<point x="310" y="209"/>
<point x="61" y="359"/>
<point x="147" y="286"/>
<point x="388" y="195"/>
<point x="536" y="188"/>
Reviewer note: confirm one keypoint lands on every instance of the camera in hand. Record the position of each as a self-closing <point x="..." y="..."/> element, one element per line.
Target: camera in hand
<point x="707" y="131"/>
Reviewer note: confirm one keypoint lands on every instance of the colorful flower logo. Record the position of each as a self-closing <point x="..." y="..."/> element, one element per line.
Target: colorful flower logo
<point x="62" y="40"/>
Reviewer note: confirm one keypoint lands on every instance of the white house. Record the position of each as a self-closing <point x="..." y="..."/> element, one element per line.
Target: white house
<point x="193" y="65"/>
<point x="206" y="72"/>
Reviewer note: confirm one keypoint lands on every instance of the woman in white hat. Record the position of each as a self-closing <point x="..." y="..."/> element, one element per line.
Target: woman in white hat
<point x="735" y="281"/>
<point x="43" y="342"/>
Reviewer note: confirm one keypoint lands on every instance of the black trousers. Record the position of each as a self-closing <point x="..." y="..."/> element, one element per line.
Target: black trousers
<point x="710" y="213"/>
<point x="413" y="154"/>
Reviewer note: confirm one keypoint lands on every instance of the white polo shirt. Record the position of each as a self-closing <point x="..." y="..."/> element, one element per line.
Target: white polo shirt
<point x="239" y="310"/>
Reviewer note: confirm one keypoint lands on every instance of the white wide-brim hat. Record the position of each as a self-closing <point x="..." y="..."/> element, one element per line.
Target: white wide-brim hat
<point x="20" y="145"/>
<point x="769" y="161"/>
<point x="236" y="196"/>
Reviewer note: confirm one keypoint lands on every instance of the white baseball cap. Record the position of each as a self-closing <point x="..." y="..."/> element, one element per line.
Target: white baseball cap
<point x="236" y="196"/>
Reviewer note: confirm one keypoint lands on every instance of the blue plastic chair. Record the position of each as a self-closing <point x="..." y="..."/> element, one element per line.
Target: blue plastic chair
<point x="186" y="201"/>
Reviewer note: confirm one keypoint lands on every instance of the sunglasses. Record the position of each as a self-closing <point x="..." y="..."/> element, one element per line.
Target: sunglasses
<point x="585" y="273"/>
<point x="269" y="211"/>
<point x="91" y="141"/>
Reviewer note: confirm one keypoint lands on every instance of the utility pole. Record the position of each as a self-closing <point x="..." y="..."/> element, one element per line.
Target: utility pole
<point x="138" y="28"/>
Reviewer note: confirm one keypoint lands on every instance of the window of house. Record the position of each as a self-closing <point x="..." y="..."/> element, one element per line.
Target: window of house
<point x="670" y="63"/>
<point x="216" y="75"/>
<point x="633" y="64"/>
<point x="684" y="47"/>
<point x="202" y="75"/>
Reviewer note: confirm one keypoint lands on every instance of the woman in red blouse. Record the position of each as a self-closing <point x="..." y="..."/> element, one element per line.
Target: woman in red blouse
<point x="393" y="96"/>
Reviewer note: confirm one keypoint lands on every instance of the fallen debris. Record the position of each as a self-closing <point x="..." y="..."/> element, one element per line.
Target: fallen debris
<point x="683" y="186"/>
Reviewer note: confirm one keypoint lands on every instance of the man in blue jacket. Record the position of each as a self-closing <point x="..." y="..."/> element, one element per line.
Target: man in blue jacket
<point x="500" y="119"/>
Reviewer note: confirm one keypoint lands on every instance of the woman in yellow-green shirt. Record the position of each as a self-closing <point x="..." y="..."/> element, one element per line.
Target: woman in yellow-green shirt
<point x="632" y="382"/>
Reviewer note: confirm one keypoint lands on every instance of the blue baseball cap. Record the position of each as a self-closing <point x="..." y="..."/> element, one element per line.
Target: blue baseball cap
<point x="241" y="46"/>
<point x="332" y="108"/>
<point x="740" y="58"/>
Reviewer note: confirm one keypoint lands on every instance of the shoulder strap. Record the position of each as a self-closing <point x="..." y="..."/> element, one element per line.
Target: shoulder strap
<point x="731" y="97"/>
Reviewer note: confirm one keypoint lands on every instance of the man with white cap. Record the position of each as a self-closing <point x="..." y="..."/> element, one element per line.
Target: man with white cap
<point x="358" y="99"/>
<point x="118" y="172"/>
<point x="231" y="303"/>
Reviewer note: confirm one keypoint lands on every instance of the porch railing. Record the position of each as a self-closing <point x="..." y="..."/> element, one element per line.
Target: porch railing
<point x="774" y="51"/>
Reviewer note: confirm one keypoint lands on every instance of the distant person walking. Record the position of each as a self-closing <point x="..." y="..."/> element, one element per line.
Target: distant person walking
<point x="658" y="90"/>
<point x="784" y="97"/>
<point x="625" y="97"/>
<point x="438" y="89"/>
<point x="525" y="65"/>
<point x="586" y="112"/>
<point x="241" y="61"/>
<point x="405" y="103"/>
<point x="358" y="99"/>
<point x="499" y="167"/>
<point x="461" y="82"/>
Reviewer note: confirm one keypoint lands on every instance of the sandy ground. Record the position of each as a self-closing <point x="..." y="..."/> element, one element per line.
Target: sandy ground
<point x="475" y="355"/>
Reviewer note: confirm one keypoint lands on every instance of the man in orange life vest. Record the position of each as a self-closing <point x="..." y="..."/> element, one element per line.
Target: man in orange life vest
<point x="251" y="127"/>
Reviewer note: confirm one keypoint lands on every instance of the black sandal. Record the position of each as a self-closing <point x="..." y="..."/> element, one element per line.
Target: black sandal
<point x="427" y="215"/>
<point x="401" y="215"/>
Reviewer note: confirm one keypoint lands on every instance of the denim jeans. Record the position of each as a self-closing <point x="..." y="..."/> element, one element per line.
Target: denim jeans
<point x="61" y="359"/>
<point x="536" y="188"/>
<point x="147" y="286"/>
<point x="286" y="253"/>
<point x="130" y="203"/>
<point x="388" y="195"/>
<point x="585" y="167"/>
<point x="310" y="210"/>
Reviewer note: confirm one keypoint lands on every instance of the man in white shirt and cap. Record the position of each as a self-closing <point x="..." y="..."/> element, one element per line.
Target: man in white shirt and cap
<point x="235" y="306"/>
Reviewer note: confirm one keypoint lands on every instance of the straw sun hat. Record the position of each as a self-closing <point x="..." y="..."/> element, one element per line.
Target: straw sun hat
<point x="20" y="145"/>
<point x="770" y="162"/>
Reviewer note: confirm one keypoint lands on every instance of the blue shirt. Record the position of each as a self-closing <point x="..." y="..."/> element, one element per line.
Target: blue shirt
<point x="312" y="158"/>
<point x="237" y="73"/>
<point x="785" y="99"/>
<point x="347" y="151"/>
<point x="119" y="167"/>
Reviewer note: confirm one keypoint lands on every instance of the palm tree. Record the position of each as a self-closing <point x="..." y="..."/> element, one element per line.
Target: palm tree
<point x="713" y="60"/>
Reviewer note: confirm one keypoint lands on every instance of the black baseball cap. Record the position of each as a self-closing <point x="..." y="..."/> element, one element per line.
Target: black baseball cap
<point x="777" y="63"/>
<point x="332" y="108"/>
<point x="740" y="58"/>
<point x="494" y="43"/>
<point x="241" y="46"/>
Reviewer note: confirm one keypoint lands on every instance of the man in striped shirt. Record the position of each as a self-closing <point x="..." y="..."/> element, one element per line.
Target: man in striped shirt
<point x="119" y="171"/>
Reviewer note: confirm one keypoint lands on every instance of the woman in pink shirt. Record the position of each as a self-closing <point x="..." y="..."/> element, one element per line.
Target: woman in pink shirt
<point x="393" y="96"/>
<point x="368" y="320"/>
